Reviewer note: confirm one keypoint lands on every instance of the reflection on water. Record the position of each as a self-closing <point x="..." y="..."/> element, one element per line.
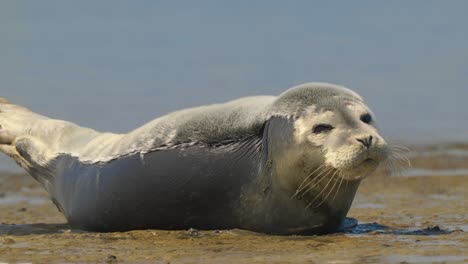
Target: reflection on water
<point x="439" y="152"/>
<point x="368" y="205"/>
<point x="30" y="229"/>
<point x="425" y="259"/>
<point x="411" y="172"/>
<point x="15" y="198"/>
<point x="376" y="228"/>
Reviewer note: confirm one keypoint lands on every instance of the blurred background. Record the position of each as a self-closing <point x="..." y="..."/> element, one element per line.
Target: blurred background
<point x="114" y="65"/>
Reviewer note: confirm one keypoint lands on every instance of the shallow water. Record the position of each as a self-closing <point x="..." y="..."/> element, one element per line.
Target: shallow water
<point x="16" y="198"/>
<point x="426" y="259"/>
<point x="399" y="220"/>
<point x="426" y="172"/>
<point x="439" y="152"/>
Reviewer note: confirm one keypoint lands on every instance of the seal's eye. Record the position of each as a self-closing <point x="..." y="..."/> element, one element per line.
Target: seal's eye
<point x="322" y="128"/>
<point x="366" y="118"/>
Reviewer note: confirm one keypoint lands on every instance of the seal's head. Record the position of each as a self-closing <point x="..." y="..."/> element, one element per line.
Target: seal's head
<point x="321" y="141"/>
<point x="334" y="134"/>
<point x="336" y="128"/>
<point x="344" y="129"/>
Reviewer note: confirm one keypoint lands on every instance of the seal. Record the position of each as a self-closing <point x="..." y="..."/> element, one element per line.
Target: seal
<point x="287" y="164"/>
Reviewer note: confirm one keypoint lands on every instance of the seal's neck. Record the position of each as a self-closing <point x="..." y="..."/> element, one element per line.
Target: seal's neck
<point x="273" y="209"/>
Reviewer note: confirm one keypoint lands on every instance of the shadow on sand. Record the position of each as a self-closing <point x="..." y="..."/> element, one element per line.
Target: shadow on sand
<point x="32" y="229"/>
<point x="350" y="226"/>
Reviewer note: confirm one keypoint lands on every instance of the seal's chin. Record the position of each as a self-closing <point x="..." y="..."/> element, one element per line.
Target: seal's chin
<point x="361" y="170"/>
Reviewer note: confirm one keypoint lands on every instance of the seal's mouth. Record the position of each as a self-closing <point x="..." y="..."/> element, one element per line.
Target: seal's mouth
<point x="367" y="163"/>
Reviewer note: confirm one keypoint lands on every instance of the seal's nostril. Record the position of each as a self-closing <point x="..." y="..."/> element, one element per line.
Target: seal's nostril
<point x="367" y="142"/>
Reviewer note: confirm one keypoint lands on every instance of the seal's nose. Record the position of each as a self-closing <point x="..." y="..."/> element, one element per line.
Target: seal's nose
<point x="366" y="141"/>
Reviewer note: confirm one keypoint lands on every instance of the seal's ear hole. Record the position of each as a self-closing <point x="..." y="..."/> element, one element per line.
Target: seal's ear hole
<point x="322" y="128"/>
<point x="366" y="118"/>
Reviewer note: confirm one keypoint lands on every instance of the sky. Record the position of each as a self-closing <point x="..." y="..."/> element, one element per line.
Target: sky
<point x="115" y="65"/>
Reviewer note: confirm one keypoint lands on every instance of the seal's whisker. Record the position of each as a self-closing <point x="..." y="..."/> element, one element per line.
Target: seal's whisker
<point x="400" y="148"/>
<point x="314" y="182"/>
<point x="330" y="191"/>
<point x="323" y="190"/>
<point x="346" y="186"/>
<point x="317" y="177"/>
<point x="305" y="180"/>
<point x="392" y="167"/>
<point x="388" y="164"/>
<point x="398" y="152"/>
<point x="339" y="186"/>
<point x="389" y="167"/>
<point x="317" y="182"/>
<point x="301" y="186"/>
<point x="398" y="155"/>
<point x="318" y="195"/>
<point x="399" y="158"/>
<point x="311" y="180"/>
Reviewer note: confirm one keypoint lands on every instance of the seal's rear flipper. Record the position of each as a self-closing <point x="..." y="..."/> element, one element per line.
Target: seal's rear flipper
<point x="33" y="150"/>
<point x="24" y="136"/>
<point x="11" y="152"/>
<point x="32" y="155"/>
<point x="38" y="157"/>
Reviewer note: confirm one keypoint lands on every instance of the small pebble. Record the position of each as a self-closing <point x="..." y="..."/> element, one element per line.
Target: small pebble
<point x="433" y="228"/>
<point x="111" y="259"/>
<point x="8" y="241"/>
<point x="193" y="232"/>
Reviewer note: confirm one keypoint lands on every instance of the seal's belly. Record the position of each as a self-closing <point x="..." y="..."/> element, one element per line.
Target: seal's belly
<point x="170" y="189"/>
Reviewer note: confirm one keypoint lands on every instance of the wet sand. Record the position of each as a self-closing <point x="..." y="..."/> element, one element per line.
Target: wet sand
<point x="410" y="218"/>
